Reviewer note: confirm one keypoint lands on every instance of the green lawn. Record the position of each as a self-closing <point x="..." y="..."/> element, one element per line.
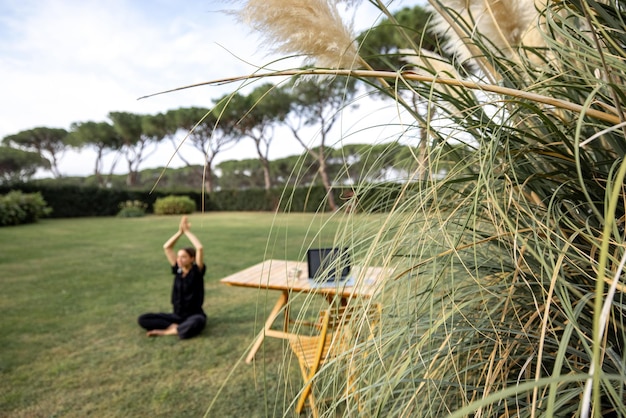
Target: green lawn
<point x="71" y="292"/>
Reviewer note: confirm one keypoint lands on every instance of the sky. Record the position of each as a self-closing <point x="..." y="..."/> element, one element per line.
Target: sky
<point x="66" y="61"/>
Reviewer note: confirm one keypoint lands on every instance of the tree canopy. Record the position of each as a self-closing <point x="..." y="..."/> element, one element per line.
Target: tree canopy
<point x="49" y="143"/>
<point x="17" y="165"/>
<point x="103" y="137"/>
<point x="298" y="105"/>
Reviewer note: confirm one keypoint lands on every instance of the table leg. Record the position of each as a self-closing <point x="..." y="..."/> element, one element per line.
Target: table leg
<point x="280" y="303"/>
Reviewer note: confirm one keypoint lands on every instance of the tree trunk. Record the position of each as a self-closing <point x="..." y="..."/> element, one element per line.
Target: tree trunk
<point x="321" y="159"/>
<point x="132" y="178"/>
<point x="266" y="173"/>
<point x="112" y="169"/>
<point x="265" y="163"/>
<point x="178" y="153"/>
<point x="208" y="178"/>
<point x="54" y="167"/>
<point x="99" y="178"/>
<point x="98" y="168"/>
<point x="326" y="183"/>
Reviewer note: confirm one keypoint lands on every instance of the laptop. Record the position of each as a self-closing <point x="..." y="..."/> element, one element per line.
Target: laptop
<point x="328" y="265"/>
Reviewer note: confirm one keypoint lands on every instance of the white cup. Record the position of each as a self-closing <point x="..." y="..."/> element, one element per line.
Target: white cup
<point x="295" y="273"/>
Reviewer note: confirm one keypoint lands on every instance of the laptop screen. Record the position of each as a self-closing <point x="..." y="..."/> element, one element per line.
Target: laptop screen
<point x="328" y="264"/>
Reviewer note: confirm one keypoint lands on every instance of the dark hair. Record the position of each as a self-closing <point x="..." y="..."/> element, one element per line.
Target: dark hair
<point x="191" y="251"/>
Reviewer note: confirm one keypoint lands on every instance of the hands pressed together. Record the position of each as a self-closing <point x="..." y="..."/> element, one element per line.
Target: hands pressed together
<point x="184" y="224"/>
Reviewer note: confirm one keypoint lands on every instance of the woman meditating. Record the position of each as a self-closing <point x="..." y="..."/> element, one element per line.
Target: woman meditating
<point x="188" y="267"/>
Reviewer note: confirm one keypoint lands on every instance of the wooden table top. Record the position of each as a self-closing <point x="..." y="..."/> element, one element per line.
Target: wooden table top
<point x="280" y="275"/>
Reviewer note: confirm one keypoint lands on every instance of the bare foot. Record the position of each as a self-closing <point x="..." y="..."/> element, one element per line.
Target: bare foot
<point x="171" y="330"/>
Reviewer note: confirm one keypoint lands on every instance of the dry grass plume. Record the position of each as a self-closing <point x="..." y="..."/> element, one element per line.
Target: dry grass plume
<point x="313" y="28"/>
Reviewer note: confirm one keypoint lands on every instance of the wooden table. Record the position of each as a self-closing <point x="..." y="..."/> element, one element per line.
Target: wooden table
<point x="279" y="275"/>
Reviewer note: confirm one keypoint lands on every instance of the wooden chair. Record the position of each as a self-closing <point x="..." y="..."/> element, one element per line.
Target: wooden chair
<point x="333" y="339"/>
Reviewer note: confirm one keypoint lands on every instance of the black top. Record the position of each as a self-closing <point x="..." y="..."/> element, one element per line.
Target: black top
<point x="188" y="291"/>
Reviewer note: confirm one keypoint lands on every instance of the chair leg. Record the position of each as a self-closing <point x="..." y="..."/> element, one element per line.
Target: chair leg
<point x="307" y="394"/>
<point x="305" y="391"/>
<point x="313" y="405"/>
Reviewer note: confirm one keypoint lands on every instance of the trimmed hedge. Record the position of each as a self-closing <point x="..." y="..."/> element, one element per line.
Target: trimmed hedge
<point x="310" y="199"/>
<point x="69" y="201"/>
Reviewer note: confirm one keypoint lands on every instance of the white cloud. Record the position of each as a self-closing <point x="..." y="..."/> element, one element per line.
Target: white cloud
<point x="68" y="61"/>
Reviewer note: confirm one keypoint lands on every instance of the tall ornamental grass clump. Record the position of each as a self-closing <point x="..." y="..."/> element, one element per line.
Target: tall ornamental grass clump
<point x="507" y="291"/>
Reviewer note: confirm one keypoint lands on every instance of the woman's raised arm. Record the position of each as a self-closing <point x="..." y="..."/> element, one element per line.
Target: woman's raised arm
<point x="168" y="247"/>
<point x="185" y="228"/>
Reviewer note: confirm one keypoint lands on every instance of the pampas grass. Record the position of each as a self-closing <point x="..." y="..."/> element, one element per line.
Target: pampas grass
<point x="507" y="295"/>
<point x="313" y="28"/>
<point x="507" y="24"/>
<point x="475" y="28"/>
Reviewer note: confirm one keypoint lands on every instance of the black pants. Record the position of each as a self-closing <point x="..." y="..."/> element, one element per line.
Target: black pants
<point x="187" y="327"/>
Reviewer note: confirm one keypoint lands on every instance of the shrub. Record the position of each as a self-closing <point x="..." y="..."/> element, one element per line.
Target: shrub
<point x="174" y="205"/>
<point x="19" y="208"/>
<point x="132" y="209"/>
